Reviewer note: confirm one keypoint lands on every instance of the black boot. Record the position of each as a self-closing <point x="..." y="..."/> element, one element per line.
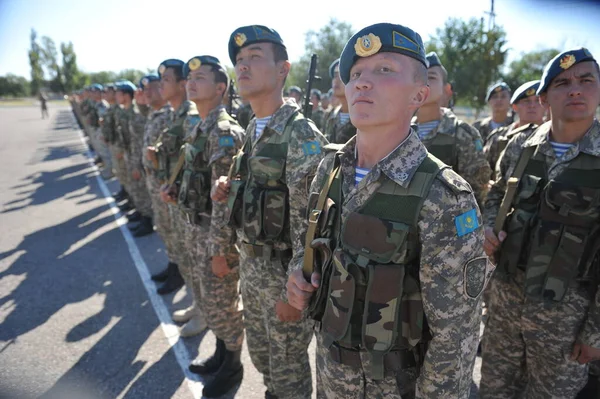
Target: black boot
<point x="229" y="375"/>
<point x="269" y="395"/>
<point x="144" y="228"/>
<point x="134" y="217"/>
<point x="162" y="276"/>
<point x="126" y="206"/>
<point x="121" y="195"/>
<point x="212" y="364"/>
<point x="174" y="281"/>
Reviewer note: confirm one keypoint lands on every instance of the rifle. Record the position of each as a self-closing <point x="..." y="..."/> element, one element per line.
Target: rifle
<point x="312" y="70"/>
<point x="232" y="96"/>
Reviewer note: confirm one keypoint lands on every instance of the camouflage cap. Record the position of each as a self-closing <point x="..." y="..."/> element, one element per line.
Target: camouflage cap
<point x="381" y="38"/>
<point x="433" y="60"/>
<point x="246" y="35"/>
<point x="561" y="63"/>
<point x="174" y="63"/>
<point x="496" y="88"/>
<point x="525" y="90"/>
<point x="147" y="79"/>
<point x="332" y="67"/>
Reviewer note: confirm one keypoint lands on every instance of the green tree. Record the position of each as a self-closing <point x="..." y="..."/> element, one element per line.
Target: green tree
<point x="50" y="60"/>
<point x="328" y="44"/>
<point x="528" y="67"/>
<point x="14" y="86"/>
<point x="70" y="71"/>
<point x="472" y="55"/>
<point x="133" y="75"/>
<point x="35" y="62"/>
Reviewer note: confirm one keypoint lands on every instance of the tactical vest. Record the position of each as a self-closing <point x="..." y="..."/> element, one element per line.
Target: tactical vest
<point x="346" y="132"/>
<point x="168" y="148"/>
<point x="194" y="189"/>
<point x="443" y="146"/>
<point x="371" y="284"/>
<point x="553" y="231"/>
<point x="258" y="202"/>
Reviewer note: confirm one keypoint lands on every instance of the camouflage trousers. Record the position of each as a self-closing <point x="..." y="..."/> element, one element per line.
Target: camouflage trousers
<point x="120" y="166"/>
<point x="138" y="190"/>
<point x="347" y="382"/>
<point x="101" y="148"/>
<point x="278" y="349"/>
<point x="527" y="344"/>
<point x="160" y="211"/>
<point x="182" y="253"/>
<point x="220" y="297"/>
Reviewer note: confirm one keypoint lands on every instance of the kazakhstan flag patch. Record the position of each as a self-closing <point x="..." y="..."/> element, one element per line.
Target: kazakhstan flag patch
<point x="466" y="223"/>
<point x="311" y="148"/>
<point x="226" y="141"/>
<point x="478" y="145"/>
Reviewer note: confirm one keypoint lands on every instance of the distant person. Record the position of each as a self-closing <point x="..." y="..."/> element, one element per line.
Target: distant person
<point x="44" y="105"/>
<point x="498" y="98"/>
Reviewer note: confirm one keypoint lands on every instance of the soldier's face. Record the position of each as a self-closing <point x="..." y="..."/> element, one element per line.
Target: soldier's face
<point x="336" y="83"/>
<point x="200" y="85"/>
<point x="500" y="101"/>
<point x="256" y="70"/>
<point x="314" y="99"/>
<point x="140" y="98"/>
<point x="120" y="97"/>
<point x="382" y="90"/>
<point x="574" y="95"/>
<point x="169" y="84"/>
<point x="109" y="95"/>
<point x="529" y="110"/>
<point x="152" y="94"/>
<point x="435" y="79"/>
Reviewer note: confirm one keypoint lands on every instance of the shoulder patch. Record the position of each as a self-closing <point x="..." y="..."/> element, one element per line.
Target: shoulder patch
<point x="466" y="223"/>
<point x="311" y="148"/>
<point x="454" y="182"/>
<point x="226" y="141"/>
<point x="476" y="274"/>
<point x="478" y="145"/>
<point x="193" y="119"/>
<point x="304" y="129"/>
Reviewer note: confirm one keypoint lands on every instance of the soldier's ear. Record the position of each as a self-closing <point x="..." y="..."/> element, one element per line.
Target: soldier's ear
<point x="543" y="99"/>
<point x="420" y="96"/>
<point x="284" y="68"/>
<point x="514" y="107"/>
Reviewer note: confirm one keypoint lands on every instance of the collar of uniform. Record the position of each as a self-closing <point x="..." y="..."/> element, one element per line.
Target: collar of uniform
<point x="590" y="143"/>
<point x="184" y="108"/>
<point x="280" y="118"/>
<point x="211" y="118"/>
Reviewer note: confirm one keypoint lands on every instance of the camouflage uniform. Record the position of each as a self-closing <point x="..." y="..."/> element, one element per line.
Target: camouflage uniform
<point x="212" y="236"/>
<point x="484" y="126"/>
<point x="335" y="131"/>
<point x="529" y="338"/>
<point x="139" y="190"/>
<point x="497" y="140"/>
<point x="101" y="107"/>
<point x="109" y="130"/>
<point x="279" y="349"/>
<point x="121" y="146"/>
<point x="157" y="122"/>
<point x="451" y="304"/>
<point x="318" y="117"/>
<point x="459" y="145"/>
<point x="244" y="115"/>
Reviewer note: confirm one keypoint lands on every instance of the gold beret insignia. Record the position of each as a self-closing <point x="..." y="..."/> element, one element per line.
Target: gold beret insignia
<point x="367" y="45"/>
<point x="194" y="64"/>
<point x="498" y="89"/>
<point x="567" y="61"/>
<point x="530" y="92"/>
<point x="162" y="69"/>
<point x="145" y="82"/>
<point x="240" y="39"/>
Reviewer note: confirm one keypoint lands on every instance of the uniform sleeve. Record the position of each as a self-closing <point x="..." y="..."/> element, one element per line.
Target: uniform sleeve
<point x="472" y="165"/>
<point x="453" y="274"/>
<point x="590" y="334"/>
<point x="137" y="138"/>
<point x="224" y="144"/>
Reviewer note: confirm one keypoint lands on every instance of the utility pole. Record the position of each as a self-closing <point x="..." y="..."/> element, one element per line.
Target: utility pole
<point x="492" y="15"/>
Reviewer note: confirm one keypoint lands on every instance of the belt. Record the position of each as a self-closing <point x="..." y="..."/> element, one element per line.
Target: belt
<point x="266" y="252"/>
<point x="393" y="360"/>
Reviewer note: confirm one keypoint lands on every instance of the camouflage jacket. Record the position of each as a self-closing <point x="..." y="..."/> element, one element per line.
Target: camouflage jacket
<point x="335" y="131"/>
<point x="589" y="333"/>
<point x="101" y="108"/>
<point x="121" y="129"/>
<point x="484" y="126"/>
<point x="108" y="123"/>
<point x="318" y="117"/>
<point x="499" y="138"/>
<point x="470" y="160"/>
<point x="137" y="123"/>
<point x="452" y="314"/>
<point x="157" y="122"/>
<point x="225" y="139"/>
<point x="244" y="115"/>
<point x="300" y="168"/>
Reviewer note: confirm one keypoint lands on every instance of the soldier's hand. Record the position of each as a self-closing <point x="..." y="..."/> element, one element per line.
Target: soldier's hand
<point x="220" y="190"/>
<point x="584" y="354"/>
<point x="167" y="193"/>
<point x="299" y="290"/>
<point x="220" y="268"/>
<point x="151" y="154"/>
<point x="492" y="243"/>
<point x="136" y="174"/>
<point x="286" y="312"/>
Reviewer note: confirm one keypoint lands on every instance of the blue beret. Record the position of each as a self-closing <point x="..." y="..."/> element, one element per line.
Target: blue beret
<point x="176" y="64"/>
<point x="525" y="90"/>
<point x="96" y="87"/>
<point x="296" y="89"/>
<point x="126" y="86"/>
<point x="497" y="88"/>
<point x="147" y="79"/>
<point x="316" y="92"/>
<point x="332" y="67"/>
<point x="246" y="35"/>
<point x="381" y="38"/>
<point x="199" y="60"/>
<point x="561" y="63"/>
<point x="109" y="86"/>
<point x="434" y="60"/>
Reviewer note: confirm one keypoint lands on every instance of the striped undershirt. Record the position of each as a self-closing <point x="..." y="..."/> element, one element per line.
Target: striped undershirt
<point x="423" y="129"/>
<point x="260" y="126"/>
<point x="560" y="148"/>
<point x="496" y="125"/>
<point x="359" y="174"/>
<point x="344" y="117"/>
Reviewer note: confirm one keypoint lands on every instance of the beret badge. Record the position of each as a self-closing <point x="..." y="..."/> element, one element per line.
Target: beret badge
<point x="567" y="61"/>
<point x="145" y="81"/>
<point x="367" y="45"/>
<point x="530" y="92"/>
<point x="162" y="69"/>
<point x="194" y="64"/>
<point x="240" y="39"/>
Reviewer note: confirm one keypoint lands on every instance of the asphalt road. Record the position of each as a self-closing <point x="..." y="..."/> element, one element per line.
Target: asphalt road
<point x="79" y="317"/>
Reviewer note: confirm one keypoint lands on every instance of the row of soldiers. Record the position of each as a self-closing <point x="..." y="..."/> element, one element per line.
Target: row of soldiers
<point x="365" y="226"/>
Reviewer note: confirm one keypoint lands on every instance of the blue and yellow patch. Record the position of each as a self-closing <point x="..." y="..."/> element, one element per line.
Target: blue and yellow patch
<point x="478" y="145"/>
<point x="226" y="141"/>
<point x="466" y="223"/>
<point x="311" y="148"/>
<point x="193" y="120"/>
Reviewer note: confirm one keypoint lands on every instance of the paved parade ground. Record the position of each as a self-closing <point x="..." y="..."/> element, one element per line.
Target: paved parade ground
<point x="79" y="315"/>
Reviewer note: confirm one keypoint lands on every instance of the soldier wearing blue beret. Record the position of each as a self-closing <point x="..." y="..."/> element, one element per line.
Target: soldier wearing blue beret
<point x="498" y="98"/>
<point x="318" y="113"/>
<point x="296" y="93"/>
<point x="399" y="320"/>
<point x="544" y="322"/>
<point x="279" y="158"/>
<point x="338" y="128"/>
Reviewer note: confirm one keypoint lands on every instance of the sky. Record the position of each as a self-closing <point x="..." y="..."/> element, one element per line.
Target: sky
<point x="122" y="34"/>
